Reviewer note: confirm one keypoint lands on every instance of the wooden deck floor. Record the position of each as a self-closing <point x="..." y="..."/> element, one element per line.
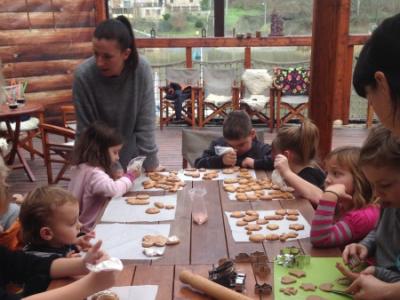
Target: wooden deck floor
<point x="169" y="142"/>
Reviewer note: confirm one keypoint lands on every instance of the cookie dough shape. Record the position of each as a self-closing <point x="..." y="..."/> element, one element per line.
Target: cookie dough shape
<point x="292" y="217"/>
<point x="169" y="206"/>
<point x="326" y="287"/>
<point x="159" y="204"/>
<point x="308" y="287"/>
<point x="253" y="227"/>
<point x="135" y="201"/>
<point x="288" y="279"/>
<point x="297" y="273"/>
<point x="290" y="291"/>
<point x="272" y="237"/>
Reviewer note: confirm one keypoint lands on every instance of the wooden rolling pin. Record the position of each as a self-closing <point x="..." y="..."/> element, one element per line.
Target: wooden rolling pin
<point x="209" y="287"/>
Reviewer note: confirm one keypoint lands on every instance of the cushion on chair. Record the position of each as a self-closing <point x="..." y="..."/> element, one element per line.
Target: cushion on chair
<point x="218" y="100"/>
<point x="256" y="102"/>
<point x="31" y="124"/>
<point x="294" y="100"/>
<point x="257" y="81"/>
<point x="292" y="81"/>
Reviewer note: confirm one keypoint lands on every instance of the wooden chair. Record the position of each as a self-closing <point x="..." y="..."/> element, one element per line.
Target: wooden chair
<point x="195" y="141"/>
<point x="255" y="98"/>
<point x="56" y="151"/>
<point x="68" y="116"/>
<point x="218" y="95"/>
<point x="291" y="90"/>
<point x="184" y="77"/>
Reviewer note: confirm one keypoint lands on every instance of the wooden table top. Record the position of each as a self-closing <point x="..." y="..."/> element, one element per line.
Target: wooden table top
<point x="201" y="246"/>
<point x="28" y="108"/>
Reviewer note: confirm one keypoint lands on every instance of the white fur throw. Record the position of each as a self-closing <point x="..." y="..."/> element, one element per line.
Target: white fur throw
<point x="257" y="80"/>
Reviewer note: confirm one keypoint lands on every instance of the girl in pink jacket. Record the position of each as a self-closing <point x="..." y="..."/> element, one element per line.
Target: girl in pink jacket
<point x="97" y="149"/>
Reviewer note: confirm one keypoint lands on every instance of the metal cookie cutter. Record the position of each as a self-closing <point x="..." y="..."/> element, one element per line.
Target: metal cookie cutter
<point x="226" y="275"/>
<point x="263" y="289"/>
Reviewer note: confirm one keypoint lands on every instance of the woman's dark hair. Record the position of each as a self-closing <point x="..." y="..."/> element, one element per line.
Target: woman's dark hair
<point x="381" y="53"/>
<point x="120" y="30"/>
<point x="93" y="144"/>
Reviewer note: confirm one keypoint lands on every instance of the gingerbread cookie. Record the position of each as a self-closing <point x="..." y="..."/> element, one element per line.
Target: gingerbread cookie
<point x="135" y="201"/>
<point x="296" y="226"/>
<point x="261" y="221"/>
<point x="280" y="212"/>
<point x="290" y="291"/>
<point x="237" y="214"/>
<point x="288" y="279"/>
<point x="241" y="197"/>
<point x="230" y="188"/>
<point x="292" y="217"/>
<point x="148" y="184"/>
<point x="294" y="212"/>
<point x="273" y="218"/>
<point x="272" y="237"/>
<point x="252" y="197"/>
<point x="241" y="223"/>
<point x="228" y="171"/>
<point x="202" y="170"/>
<point x="172" y="240"/>
<point x="154" y="240"/>
<point x="308" y="287"/>
<point x="265" y="197"/>
<point x="291" y="235"/>
<point x="105" y="295"/>
<point x="152" y="210"/>
<point x="159" y="204"/>
<point x="250" y="218"/>
<point x="142" y="196"/>
<point x="169" y="206"/>
<point x="252" y="213"/>
<point x="257" y="238"/>
<point x="297" y="273"/>
<point x="230" y="180"/>
<point x="253" y="227"/>
<point x="272" y="226"/>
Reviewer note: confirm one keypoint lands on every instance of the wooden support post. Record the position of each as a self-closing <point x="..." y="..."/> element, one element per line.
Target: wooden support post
<point x="247" y="58"/>
<point x="347" y="80"/>
<point x="219" y="18"/>
<point x="189" y="62"/>
<point x="327" y="36"/>
<point x="101" y="11"/>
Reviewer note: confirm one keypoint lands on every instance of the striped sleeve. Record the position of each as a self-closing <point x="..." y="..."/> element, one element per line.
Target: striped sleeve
<point x="324" y="231"/>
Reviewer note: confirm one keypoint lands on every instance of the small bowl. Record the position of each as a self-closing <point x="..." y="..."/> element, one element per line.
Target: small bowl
<point x="21" y="101"/>
<point x="13" y="106"/>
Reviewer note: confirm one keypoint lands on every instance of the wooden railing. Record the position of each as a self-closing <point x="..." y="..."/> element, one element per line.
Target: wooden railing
<point x="341" y="111"/>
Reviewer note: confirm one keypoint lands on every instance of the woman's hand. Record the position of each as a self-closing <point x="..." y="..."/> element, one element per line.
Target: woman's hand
<point x="354" y="250"/>
<point x="281" y="163"/>
<point x="367" y="287"/>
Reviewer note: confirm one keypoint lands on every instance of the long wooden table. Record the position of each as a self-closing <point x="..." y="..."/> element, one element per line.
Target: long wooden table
<point x="201" y="246"/>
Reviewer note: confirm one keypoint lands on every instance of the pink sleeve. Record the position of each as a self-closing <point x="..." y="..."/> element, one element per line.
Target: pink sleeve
<point x="362" y="221"/>
<point x="102" y="184"/>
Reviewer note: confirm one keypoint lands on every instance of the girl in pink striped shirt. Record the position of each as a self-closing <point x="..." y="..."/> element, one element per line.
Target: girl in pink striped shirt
<point x="91" y="180"/>
<point x="346" y="212"/>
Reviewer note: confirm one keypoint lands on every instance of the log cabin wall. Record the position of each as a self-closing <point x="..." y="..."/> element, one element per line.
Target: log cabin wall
<point x="43" y="41"/>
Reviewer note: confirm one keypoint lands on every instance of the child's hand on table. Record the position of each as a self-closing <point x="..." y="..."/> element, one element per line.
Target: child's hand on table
<point x="248" y="163"/>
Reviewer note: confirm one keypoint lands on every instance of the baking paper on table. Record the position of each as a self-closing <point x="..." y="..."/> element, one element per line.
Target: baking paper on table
<point x="119" y="211"/>
<point x="142" y="292"/>
<point x="239" y="232"/>
<point x="125" y="240"/>
<point x="221" y="176"/>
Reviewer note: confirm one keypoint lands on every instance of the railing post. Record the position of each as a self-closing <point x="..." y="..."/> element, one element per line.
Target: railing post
<point x="189" y="62"/>
<point x="101" y="11"/>
<point x="347" y="79"/>
<point x="247" y="58"/>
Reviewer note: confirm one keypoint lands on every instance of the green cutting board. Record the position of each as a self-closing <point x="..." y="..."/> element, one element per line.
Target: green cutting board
<point x="320" y="270"/>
